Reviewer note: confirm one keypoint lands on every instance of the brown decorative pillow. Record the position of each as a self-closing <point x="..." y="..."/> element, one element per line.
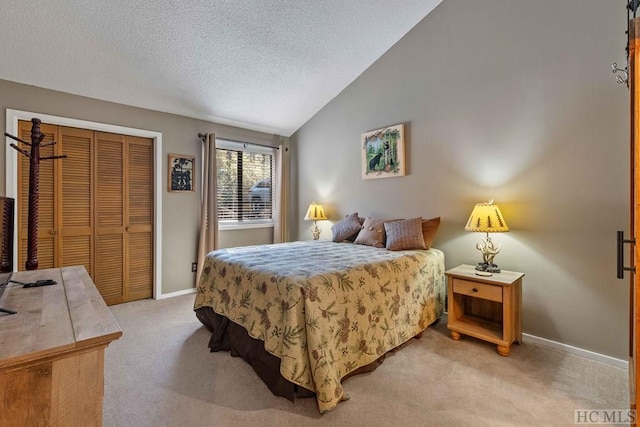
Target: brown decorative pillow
<point x="404" y="234"/>
<point x="429" y="230"/>
<point x="346" y="228"/>
<point x="372" y="233"/>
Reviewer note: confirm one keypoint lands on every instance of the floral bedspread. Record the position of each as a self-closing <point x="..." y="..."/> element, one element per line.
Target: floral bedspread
<point x="325" y="308"/>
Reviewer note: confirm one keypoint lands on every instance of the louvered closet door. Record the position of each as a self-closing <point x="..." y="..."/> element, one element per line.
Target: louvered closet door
<point x="124" y="217"/>
<point x="96" y="208"/>
<point x="47" y="232"/>
<point x="139" y="220"/>
<point x="109" y="217"/>
<point x="75" y="222"/>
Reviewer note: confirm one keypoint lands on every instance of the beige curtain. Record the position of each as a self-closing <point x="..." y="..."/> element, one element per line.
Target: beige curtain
<point x="208" y="213"/>
<point x="281" y="188"/>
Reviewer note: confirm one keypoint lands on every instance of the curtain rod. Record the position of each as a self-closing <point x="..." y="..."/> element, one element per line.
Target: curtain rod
<point x="203" y="137"/>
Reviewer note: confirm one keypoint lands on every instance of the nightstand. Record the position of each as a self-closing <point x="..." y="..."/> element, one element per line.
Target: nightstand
<point x="487" y="308"/>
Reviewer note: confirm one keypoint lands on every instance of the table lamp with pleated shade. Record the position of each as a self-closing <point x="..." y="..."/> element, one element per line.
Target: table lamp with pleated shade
<point x="487" y="218"/>
<point x="315" y="213"/>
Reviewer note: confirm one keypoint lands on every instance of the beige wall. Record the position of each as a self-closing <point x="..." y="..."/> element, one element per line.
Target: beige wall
<point x="506" y="99"/>
<point x="180" y="211"/>
<point x="245" y="237"/>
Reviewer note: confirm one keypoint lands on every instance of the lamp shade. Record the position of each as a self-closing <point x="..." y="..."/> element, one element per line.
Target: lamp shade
<point x="315" y="212"/>
<point x="487" y="218"/>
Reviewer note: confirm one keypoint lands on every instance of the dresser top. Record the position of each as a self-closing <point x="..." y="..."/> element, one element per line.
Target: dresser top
<point x="67" y="316"/>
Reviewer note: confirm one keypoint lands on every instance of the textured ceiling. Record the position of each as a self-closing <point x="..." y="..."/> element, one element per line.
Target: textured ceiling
<point x="263" y="65"/>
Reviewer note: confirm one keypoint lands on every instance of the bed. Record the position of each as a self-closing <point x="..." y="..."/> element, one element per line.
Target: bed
<point x="308" y="314"/>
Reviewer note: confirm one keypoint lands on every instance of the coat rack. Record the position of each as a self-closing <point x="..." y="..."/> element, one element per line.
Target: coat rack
<point x="34" y="186"/>
<point x="623" y="78"/>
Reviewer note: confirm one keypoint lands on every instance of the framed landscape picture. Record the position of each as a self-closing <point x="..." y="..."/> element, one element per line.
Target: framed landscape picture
<point x="383" y="152"/>
<point x="181" y="170"/>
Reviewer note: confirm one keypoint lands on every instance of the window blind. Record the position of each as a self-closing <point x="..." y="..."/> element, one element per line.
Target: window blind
<point x="244" y="179"/>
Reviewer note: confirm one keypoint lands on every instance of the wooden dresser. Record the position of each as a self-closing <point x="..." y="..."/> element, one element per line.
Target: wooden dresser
<point x="52" y="350"/>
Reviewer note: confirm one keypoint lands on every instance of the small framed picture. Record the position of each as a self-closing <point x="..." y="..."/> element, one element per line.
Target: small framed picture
<point x="383" y="152"/>
<point x="181" y="169"/>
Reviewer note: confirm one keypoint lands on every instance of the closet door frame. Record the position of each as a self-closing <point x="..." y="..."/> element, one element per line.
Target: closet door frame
<point x="634" y="214"/>
<point x="11" y="190"/>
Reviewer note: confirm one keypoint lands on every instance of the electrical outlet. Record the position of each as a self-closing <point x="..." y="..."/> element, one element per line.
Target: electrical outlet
<point x="194" y="267"/>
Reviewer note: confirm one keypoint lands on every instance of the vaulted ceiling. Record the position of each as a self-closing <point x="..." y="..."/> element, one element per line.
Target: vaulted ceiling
<point x="262" y="65"/>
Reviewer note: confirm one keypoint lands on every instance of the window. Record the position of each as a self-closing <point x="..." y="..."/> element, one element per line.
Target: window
<point x="244" y="183"/>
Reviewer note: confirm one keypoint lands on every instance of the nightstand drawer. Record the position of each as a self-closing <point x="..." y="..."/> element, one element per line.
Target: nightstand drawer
<point x="477" y="290"/>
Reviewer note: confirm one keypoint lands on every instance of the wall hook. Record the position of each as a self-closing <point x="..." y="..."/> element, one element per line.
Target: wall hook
<point x="620" y="79"/>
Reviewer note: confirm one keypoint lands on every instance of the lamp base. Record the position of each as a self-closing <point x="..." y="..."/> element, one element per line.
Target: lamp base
<point x="315" y="231"/>
<point x="491" y="268"/>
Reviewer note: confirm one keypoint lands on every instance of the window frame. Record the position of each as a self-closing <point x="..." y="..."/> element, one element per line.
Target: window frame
<point x="227" y="144"/>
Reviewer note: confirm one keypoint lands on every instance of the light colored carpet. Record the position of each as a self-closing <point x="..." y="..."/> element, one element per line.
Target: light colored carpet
<point x="160" y="373"/>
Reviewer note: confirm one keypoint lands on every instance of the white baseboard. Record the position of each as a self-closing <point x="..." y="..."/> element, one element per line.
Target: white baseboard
<point x="619" y="363"/>
<point x="176" y="293"/>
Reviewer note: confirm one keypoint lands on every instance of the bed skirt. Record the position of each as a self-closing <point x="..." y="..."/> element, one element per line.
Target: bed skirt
<point x="229" y="336"/>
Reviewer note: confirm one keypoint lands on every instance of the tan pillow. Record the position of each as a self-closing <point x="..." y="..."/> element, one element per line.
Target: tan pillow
<point x="404" y="234"/>
<point x="346" y="228"/>
<point x="372" y="233"/>
<point x="429" y="230"/>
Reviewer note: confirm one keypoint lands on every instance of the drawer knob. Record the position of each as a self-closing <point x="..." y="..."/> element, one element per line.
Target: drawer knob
<point x="475" y="289"/>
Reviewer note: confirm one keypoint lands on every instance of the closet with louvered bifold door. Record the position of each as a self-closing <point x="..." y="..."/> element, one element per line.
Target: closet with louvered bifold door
<point x="95" y="209"/>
